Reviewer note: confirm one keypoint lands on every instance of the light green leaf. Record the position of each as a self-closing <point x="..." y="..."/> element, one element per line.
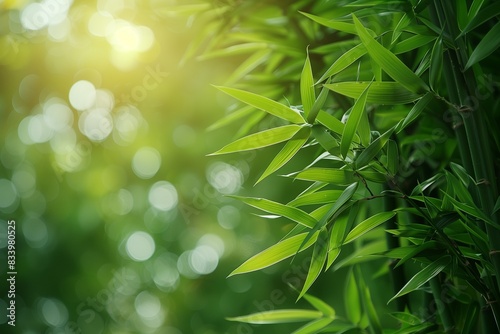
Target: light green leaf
<point x="489" y="43"/>
<point x="344" y="61"/>
<point x="319" y="197"/>
<point x="318" y="104"/>
<point x="307" y="87"/>
<point x="348" y="28"/>
<point x="329" y="121"/>
<point x="260" y="139"/>
<point x="385" y="92"/>
<point x="368" y="225"/>
<point x="320" y="305"/>
<point x="372" y="150"/>
<point x="264" y="103"/>
<point x="326" y="140"/>
<point x="415" y="111"/>
<point x="317" y="261"/>
<point x="314" y="326"/>
<point x="406" y="318"/>
<point x="278" y="316"/>
<point x="330" y="175"/>
<point x="274" y="254"/>
<point x="232" y="117"/>
<point x="352" y="123"/>
<point x="351" y="299"/>
<point x="391" y="64"/>
<point x="340" y="228"/>
<point x="249" y="65"/>
<point x="276" y="208"/>
<point x="423" y="276"/>
<point x="287" y="152"/>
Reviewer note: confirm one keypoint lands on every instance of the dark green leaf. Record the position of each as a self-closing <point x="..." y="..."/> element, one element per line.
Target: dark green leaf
<point x="489" y="43"/>
<point x="483" y="16"/>
<point x="372" y="150"/>
<point x="415" y="111"/>
<point x="436" y="66"/>
<point x="385" y="92"/>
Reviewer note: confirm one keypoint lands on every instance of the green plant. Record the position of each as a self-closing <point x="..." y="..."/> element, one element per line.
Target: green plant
<point x="394" y="107"/>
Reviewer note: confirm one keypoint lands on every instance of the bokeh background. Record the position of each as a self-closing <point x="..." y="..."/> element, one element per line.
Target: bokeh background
<point x="123" y="221"/>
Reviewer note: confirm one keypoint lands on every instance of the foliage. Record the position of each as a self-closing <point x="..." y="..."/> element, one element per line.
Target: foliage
<point x="387" y="110"/>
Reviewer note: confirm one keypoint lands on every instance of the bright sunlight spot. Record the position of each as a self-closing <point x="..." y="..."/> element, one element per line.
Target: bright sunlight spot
<point x="140" y="246"/>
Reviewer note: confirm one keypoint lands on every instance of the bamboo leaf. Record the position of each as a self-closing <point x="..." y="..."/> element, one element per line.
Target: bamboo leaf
<point x="274" y="254"/>
<point x="406" y="318"/>
<point x="367" y="302"/>
<point x="318" y="104"/>
<point x="352" y="299"/>
<point x="307" y="87"/>
<point x="314" y="326"/>
<point x="352" y="123"/>
<point x="283" y="210"/>
<point x="423" y="276"/>
<point x="329" y="175"/>
<point x="346" y="59"/>
<point x="260" y="139"/>
<point x="489" y="43"/>
<point x="391" y="64"/>
<point x="317" y="261"/>
<point x="264" y="103"/>
<point x="384" y="92"/>
<point x="249" y="65"/>
<point x="232" y="117"/>
<point x="339" y="231"/>
<point x="320" y="305"/>
<point x="483" y="16"/>
<point x="436" y="67"/>
<point x="415" y="111"/>
<point x="372" y="150"/>
<point x="320" y="197"/>
<point x="412" y="43"/>
<point x="392" y="157"/>
<point x="414" y="251"/>
<point x="348" y="28"/>
<point x="325" y="139"/>
<point x="287" y="152"/>
<point x="368" y="225"/>
<point x="278" y="316"/>
<point x="329" y="121"/>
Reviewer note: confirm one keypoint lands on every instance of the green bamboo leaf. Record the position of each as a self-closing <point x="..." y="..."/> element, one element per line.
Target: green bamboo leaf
<point x="406" y="318"/>
<point x="414" y="251"/>
<point x="318" y="104"/>
<point x="472" y="211"/>
<point x="339" y="231"/>
<point x="317" y="261"/>
<point x="344" y="61"/>
<point x="307" y="93"/>
<point x="415" y="111"/>
<point x="352" y="299"/>
<point x="278" y="252"/>
<point x="329" y="175"/>
<point x="278" y="316"/>
<point x="489" y="43"/>
<point x="264" y="103"/>
<point x="234" y="50"/>
<point x="320" y="197"/>
<point x="412" y="43"/>
<point x="287" y="152"/>
<point x="348" y="28"/>
<point x="260" y="139"/>
<point x="372" y="150"/>
<point x="483" y="16"/>
<point x="320" y="305"/>
<point x="423" y="276"/>
<point x="368" y="306"/>
<point x="368" y="225"/>
<point x="232" y="117"/>
<point x="461" y="173"/>
<point x="249" y="65"/>
<point x="364" y="129"/>
<point x="402" y="23"/>
<point x="436" y="67"/>
<point x="283" y="210"/>
<point x="384" y="92"/>
<point x="391" y="64"/>
<point x="392" y="157"/>
<point x="420" y="328"/>
<point x="497" y="206"/>
<point x="462" y="17"/>
<point x="329" y="121"/>
<point x="314" y="326"/>
<point x="325" y="139"/>
<point x="372" y="175"/>
<point x="352" y="123"/>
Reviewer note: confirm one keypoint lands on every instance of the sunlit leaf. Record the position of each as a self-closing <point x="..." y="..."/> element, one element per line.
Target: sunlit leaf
<point x="335" y="25"/>
<point x="391" y="64"/>
<point x="330" y="175"/>
<point x="314" y="326"/>
<point x="264" y="103"/>
<point x="423" y="276"/>
<point x="307" y="87"/>
<point x="274" y="254"/>
<point x="318" y="104"/>
<point x="248" y="65"/>
<point x="329" y="121"/>
<point x="346" y="59"/>
<point x="372" y="150"/>
<point x="320" y="197"/>
<point x="368" y="225"/>
<point x="287" y="152"/>
<point x="385" y="92"/>
<point x="352" y="123"/>
<point x="261" y="139"/>
<point x="320" y="305"/>
<point x="489" y="43"/>
<point x="339" y="231"/>
<point x="317" y="261"/>
<point x="283" y="210"/>
<point x="278" y="316"/>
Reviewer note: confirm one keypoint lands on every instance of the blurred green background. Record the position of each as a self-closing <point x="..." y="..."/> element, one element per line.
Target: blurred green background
<point x="123" y="223"/>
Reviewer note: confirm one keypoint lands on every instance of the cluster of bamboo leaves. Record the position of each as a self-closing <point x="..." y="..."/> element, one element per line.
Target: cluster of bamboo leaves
<point x="397" y="100"/>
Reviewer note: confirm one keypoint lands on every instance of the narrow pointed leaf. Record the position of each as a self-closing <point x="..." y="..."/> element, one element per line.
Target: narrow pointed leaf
<point x="232" y="117"/>
<point x="314" y="326"/>
<point x="320" y="197"/>
<point x="249" y="65"/>
<point x="423" y="276"/>
<point x="415" y="111"/>
<point x="335" y="25"/>
<point x="307" y="87"/>
<point x="287" y="152"/>
<point x="484" y="15"/>
<point x="368" y="225"/>
<point x="320" y="305"/>
<point x="344" y="61"/>
<point x="339" y="231"/>
<point x="436" y="64"/>
<point x="265" y="104"/>
<point x="368" y="306"/>
<point x="352" y="123"/>
<point x="274" y="254"/>
<point x="332" y="123"/>
<point x="325" y="139"/>
<point x="372" y="150"/>
<point x="283" y="210"/>
<point x="364" y="131"/>
<point x="406" y="318"/>
<point x="260" y="139"/>
<point x="392" y="157"/>
<point x="329" y="175"/>
<point x="317" y="261"/>
<point x="318" y="104"/>
<point x="391" y="64"/>
<point x="385" y="92"/>
<point x="278" y="316"/>
<point x="352" y="299"/>
<point x="489" y="43"/>
<point x="412" y="43"/>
